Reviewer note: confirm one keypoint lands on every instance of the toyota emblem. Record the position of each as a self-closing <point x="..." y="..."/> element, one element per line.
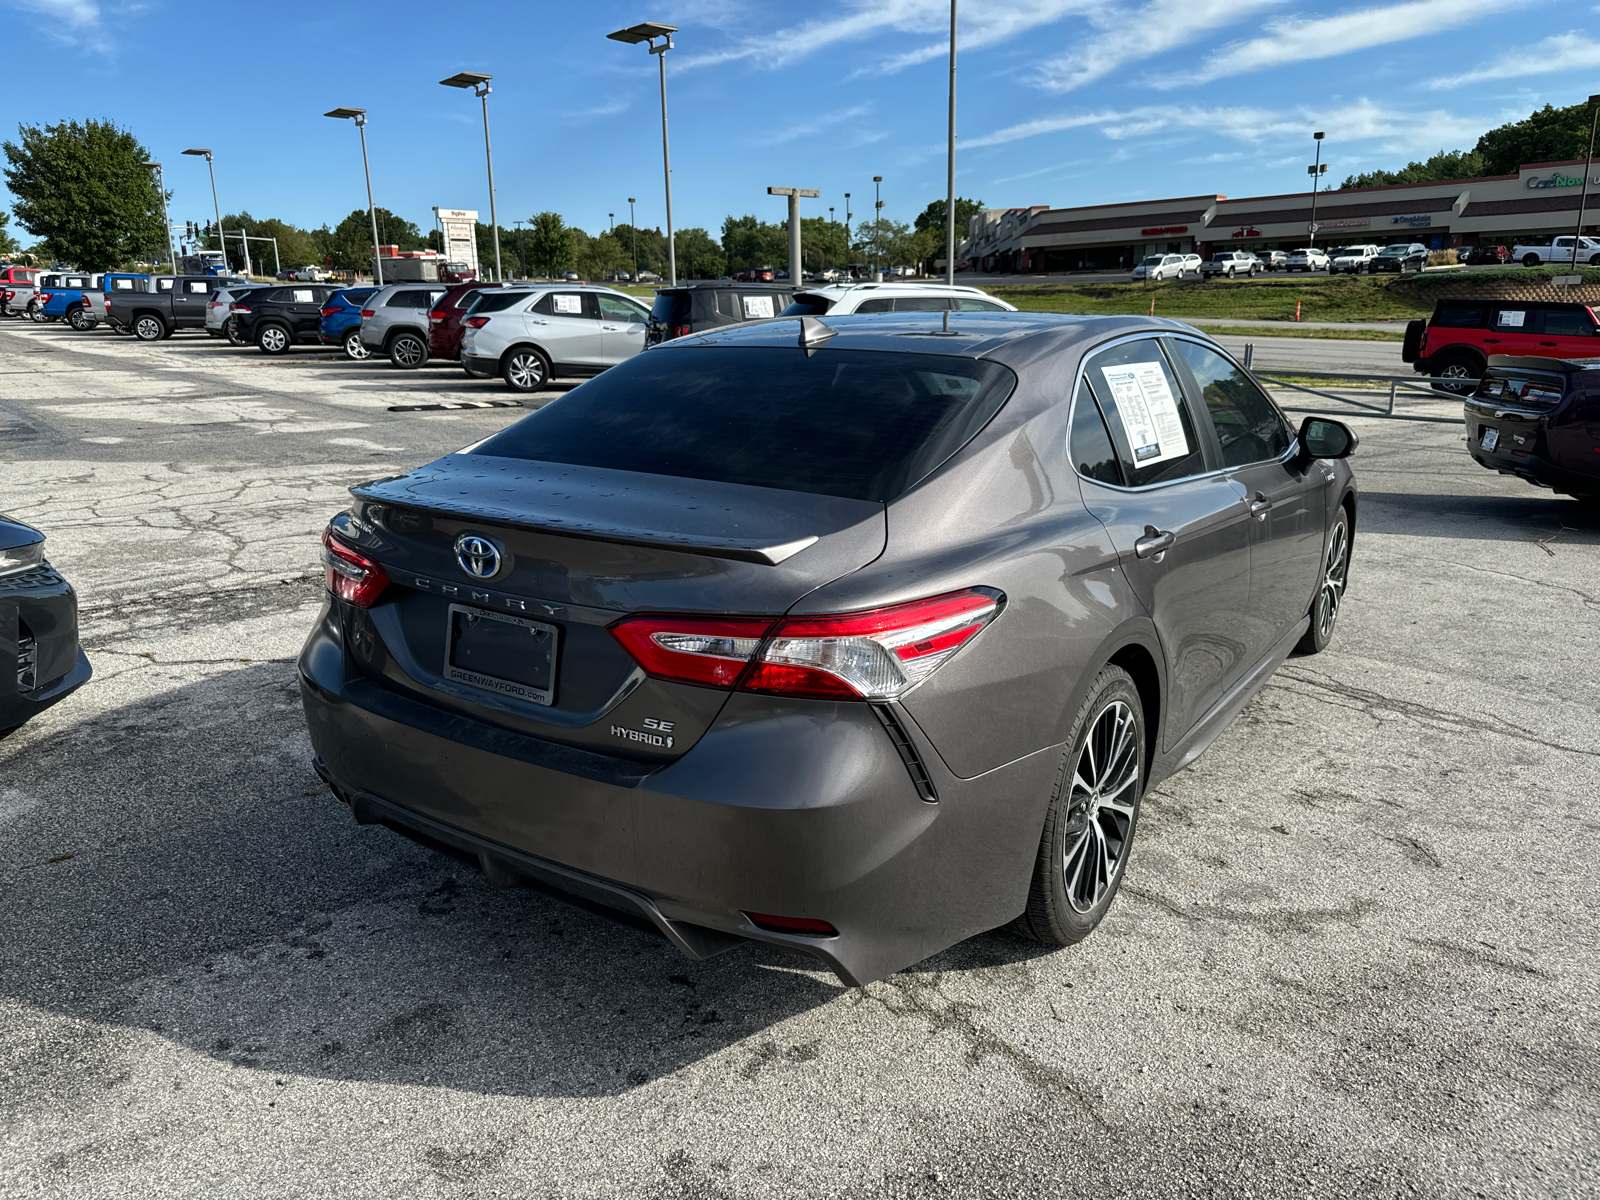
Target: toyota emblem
<point x="478" y="556"/>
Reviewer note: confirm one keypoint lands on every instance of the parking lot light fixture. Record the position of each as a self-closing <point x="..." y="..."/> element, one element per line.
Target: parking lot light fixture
<point x="950" y="171"/>
<point x="634" y="225"/>
<point x="479" y="83"/>
<point x="649" y="32"/>
<point x="359" y="116"/>
<point x="1588" y="166"/>
<point x="202" y="152"/>
<point x="161" y="186"/>
<point x="1317" y="170"/>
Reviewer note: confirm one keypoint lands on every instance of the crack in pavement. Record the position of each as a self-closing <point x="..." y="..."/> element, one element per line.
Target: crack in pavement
<point x="1289" y="920"/>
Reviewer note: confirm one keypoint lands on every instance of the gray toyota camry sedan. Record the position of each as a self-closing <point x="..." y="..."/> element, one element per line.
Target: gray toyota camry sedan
<point x="857" y="636"/>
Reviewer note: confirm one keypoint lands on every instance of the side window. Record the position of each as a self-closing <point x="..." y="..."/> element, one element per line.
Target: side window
<point x="1513" y="319"/>
<point x="1150" y="425"/>
<point x="1248" y="425"/>
<point x="561" y="304"/>
<point x="978" y="306"/>
<point x="922" y="304"/>
<point x="304" y="295"/>
<point x="615" y="308"/>
<point x="1459" y="316"/>
<point x="164" y="285"/>
<point x="1091" y="444"/>
<point x="1559" y="322"/>
<point x="198" y="287"/>
<point x="411" y="299"/>
<point x="875" y="305"/>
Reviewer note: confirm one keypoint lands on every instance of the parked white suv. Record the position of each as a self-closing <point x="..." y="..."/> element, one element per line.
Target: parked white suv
<point x="1156" y="267"/>
<point x="1352" y="260"/>
<point x="530" y="335"/>
<point x="1307" y="258"/>
<point x="840" y="299"/>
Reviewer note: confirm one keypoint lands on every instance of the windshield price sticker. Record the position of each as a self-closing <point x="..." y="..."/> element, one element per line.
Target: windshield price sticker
<point x="757" y="307"/>
<point x="568" y="304"/>
<point x="1149" y="411"/>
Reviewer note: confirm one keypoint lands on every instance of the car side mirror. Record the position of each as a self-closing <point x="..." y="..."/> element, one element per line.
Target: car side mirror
<point x="1324" y="438"/>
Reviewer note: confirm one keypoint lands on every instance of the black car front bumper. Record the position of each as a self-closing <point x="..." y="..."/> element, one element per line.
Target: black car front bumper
<point x="41" y="662"/>
<point x="800" y="808"/>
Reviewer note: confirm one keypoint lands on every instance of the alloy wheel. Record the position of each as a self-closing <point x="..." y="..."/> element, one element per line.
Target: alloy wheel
<point x="148" y="329"/>
<point x="1105" y="789"/>
<point x="353" y="347"/>
<point x="525" y="372"/>
<point x="407" y="352"/>
<point x="274" y="340"/>
<point x="1334" y="568"/>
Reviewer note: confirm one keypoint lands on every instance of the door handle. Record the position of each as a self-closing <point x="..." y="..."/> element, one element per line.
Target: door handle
<point x="1547" y="343"/>
<point x="1495" y="340"/>
<point x="1259" y="507"/>
<point x="1154" y="543"/>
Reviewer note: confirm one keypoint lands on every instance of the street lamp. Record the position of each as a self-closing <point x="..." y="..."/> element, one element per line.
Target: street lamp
<point x="950" y="169"/>
<point x="206" y="154"/>
<point x="649" y="31"/>
<point x="161" y="186"/>
<point x="847" y="215"/>
<point x="877" y="229"/>
<point x="1588" y="165"/>
<point x="479" y="83"/>
<point x="359" y="116"/>
<point x="1316" y="170"/>
<point x="634" y="225"/>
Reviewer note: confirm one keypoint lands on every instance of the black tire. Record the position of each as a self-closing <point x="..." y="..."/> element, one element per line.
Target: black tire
<point x="230" y="330"/>
<point x="80" y="319"/>
<point x="274" y="339"/>
<point x="1594" y="260"/>
<point x="1083" y="852"/>
<point x="408" y="351"/>
<point x="148" y="327"/>
<point x="524" y="369"/>
<point x="353" y="346"/>
<point x="1530" y="260"/>
<point x="1330" y="587"/>
<point x="1465" y="369"/>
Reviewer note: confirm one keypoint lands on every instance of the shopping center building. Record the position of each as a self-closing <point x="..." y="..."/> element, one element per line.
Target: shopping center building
<point x="1537" y="202"/>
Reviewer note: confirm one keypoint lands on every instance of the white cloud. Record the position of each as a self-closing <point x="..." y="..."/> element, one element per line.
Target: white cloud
<point x="1127" y="37"/>
<point x="70" y="22"/>
<point x="1564" y="52"/>
<point x="991" y="23"/>
<point x="820" y="123"/>
<point x="1298" y="39"/>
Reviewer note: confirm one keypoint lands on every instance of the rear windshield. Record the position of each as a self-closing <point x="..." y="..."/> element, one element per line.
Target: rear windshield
<point x="861" y="424"/>
<point x="807" y="306"/>
<point x="493" y="301"/>
<point x="354" y="296"/>
<point x="670" y="307"/>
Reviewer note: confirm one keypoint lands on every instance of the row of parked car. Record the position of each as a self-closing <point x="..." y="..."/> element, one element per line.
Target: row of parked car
<point x="524" y="333"/>
<point x="1401" y="258"/>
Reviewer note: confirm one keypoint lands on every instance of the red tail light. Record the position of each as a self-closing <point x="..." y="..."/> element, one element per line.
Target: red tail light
<point x="875" y="655"/>
<point x="350" y="576"/>
<point x="233" y="308"/>
<point x="436" y="315"/>
<point x="369" y="312"/>
<point x="44" y="297"/>
<point x="477" y="322"/>
<point x="681" y="330"/>
<point x="331" y="310"/>
<point x="809" y="926"/>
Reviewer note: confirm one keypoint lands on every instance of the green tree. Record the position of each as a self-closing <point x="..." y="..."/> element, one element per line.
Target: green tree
<point x="598" y="256"/>
<point x="550" y="244"/>
<point x="1548" y="135"/>
<point x="699" y="256"/>
<point x="1447" y="164"/>
<point x="296" y="247"/>
<point x="932" y="217"/>
<point x="83" y="189"/>
<point x="8" y="244"/>
<point x="885" y="242"/>
<point x="750" y="242"/>
<point x="821" y="244"/>
<point x="652" y="245"/>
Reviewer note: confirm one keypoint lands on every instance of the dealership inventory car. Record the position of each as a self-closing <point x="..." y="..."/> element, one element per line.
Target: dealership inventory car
<point x="1229" y="263"/>
<point x="1535" y="418"/>
<point x="696" y="307"/>
<point x="394" y="321"/>
<point x="530" y="335"/>
<point x="339" y="323"/>
<point x="1402" y="258"/>
<point x="1153" y="268"/>
<point x="276" y="319"/>
<point x="40" y="659"/>
<point x="1457" y="342"/>
<point x="219" y="318"/>
<point x="1485" y="255"/>
<point x="1274" y="260"/>
<point x="445" y="318"/>
<point x="856" y="636"/>
<point x="843" y="299"/>
<point x="1307" y="258"/>
<point x="1351" y="260"/>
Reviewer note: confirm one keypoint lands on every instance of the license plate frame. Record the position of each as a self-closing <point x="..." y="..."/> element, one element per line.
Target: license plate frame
<point x="1490" y="439"/>
<point x="514" y="689"/>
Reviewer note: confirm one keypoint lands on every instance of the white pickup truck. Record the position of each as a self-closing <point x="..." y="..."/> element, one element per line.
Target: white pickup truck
<point x="1557" y="251"/>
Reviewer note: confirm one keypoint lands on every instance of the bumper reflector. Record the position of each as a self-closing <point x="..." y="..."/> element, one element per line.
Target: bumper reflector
<point x="809" y="926"/>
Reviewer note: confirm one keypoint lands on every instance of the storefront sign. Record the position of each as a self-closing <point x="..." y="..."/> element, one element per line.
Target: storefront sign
<point x="1163" y="230"/>
<point x="1246" y="232"/>
<point x="1557" y="180"/>
<point x="1347" y="223"/>
<point x="1419" y="219"/>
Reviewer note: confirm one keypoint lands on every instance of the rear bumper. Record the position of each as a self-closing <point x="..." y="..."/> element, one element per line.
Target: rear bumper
<point x="796" y="808"/>
<point x="41" y="662"/>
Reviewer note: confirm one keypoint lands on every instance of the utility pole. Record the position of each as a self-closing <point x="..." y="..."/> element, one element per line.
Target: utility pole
<point x="847" y="215"/>
<point x="648" y="32"/>
<point x="161" y="186"/>
<point x="794" y="195"/>
<point x="877" y="230"/>
<point x="950" y="169"/>
<point x="634" y="225"/>
<point x="1316" y="171"/>
<point x="1588" y="165"/>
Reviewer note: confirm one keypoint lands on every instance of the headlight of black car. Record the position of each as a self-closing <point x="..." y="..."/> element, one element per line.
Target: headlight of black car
<point x="21" y="558"/>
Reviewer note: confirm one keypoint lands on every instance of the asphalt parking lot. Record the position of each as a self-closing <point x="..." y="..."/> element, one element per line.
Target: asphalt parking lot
<point x="1354" y="954"/>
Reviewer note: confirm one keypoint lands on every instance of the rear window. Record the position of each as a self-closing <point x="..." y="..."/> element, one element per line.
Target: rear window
<point x="1459" y="316"/>
<point x="490" y="301"/>
<point x="409" y="299"/>
<point x="355" y="296"/>
<point x="670" y="308"/>
<point x="804" y="305"/>
<point x="865" y="425"/>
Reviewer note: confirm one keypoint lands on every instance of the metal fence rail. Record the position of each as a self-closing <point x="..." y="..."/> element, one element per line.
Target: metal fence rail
<point x="1397" y="383"/>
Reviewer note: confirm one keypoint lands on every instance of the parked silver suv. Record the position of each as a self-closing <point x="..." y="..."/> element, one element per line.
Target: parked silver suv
<point x="528" y="336"/>
<point x="394" y="321"/>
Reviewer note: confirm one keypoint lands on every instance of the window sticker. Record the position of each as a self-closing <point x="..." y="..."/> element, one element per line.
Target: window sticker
<point x="1510" y="318"/>
<point x="1149" y="412"/>
<point x="758" y="307"/>
<point x="567" y="304"/>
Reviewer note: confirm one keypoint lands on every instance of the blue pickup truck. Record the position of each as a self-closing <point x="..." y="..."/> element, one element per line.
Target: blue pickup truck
<point x="62" y="297"/>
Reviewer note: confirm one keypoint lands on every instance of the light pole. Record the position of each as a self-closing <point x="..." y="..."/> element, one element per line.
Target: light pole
<point x="200" y="152"/>
<point x="161" y="185"/>
<point x="1588" y="165"/>
<point x="649" y="31"/>
<point x="847" y="215"/>
<point x="1316" y="171"/>
<point x="479" y="83"/>
<point x="950" y="169"/>
<point x="877" y="229"/>
<point x="359" y="116"/>
<point x="634" y="225"/>
<point x="831" y="224"/>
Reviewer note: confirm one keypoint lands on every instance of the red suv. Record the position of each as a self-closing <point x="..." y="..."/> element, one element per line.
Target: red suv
<point x="1455" y="343"/>
<point x="444" y="319"/>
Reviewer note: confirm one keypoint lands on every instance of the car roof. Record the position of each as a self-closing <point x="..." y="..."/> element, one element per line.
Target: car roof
<point x="836" y="290"/>
<point x="728" y="285"/>
<point x="975" y="334"/>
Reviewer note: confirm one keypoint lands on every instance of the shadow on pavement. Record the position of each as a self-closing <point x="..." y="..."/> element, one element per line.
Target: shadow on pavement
<point x="178" y="868"/>
<point x="1538" y="514"/>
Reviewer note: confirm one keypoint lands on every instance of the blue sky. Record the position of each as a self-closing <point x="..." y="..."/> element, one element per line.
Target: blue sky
<point x="1061" y="102"/>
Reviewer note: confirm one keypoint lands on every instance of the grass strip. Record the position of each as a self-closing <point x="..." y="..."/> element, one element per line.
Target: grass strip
<point x="1347" y="298"/>
<point x="1335" y="335"/>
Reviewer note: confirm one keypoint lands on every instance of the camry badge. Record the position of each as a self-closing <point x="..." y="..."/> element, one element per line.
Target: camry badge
<point x="478" y="556"/>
